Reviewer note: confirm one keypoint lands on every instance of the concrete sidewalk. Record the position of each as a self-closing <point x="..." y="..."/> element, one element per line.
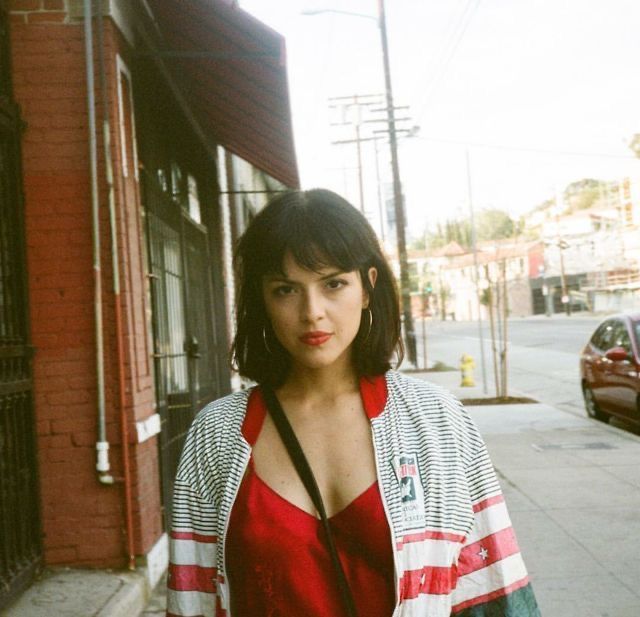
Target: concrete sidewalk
<point x="572" y="486"/>
<point x="67" y="592"/>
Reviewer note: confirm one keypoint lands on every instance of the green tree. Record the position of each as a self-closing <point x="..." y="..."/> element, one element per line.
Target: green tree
<point x="585" y="199"/>
<point x="495" y="225"/>
<point x="583" y="194"/>
<point x="491" y="224"/>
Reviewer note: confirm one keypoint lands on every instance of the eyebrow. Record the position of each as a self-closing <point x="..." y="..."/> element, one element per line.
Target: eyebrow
<point x="279" y="279"/>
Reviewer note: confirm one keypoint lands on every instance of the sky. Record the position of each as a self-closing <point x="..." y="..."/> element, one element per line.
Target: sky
<point x="540" y="93"/>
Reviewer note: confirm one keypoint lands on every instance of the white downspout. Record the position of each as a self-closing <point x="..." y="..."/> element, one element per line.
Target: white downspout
<point x="102" y="445"/>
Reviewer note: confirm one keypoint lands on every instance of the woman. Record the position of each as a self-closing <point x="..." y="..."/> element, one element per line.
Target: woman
<point x="415" y="511"/>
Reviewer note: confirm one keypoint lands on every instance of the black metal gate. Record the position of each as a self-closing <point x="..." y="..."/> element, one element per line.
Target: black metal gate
<point x="185" y="346"/>
<point x="20" y="545"/>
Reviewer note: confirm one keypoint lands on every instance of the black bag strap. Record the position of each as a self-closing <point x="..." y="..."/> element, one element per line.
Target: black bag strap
<point x="301" y="464"/>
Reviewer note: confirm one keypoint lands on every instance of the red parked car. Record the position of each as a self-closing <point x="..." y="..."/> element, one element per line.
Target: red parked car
<point x="610" y="369"/>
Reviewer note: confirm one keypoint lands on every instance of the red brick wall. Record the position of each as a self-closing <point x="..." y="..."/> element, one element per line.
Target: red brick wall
<point x="38" y="11"/>
<point x="135" y="294"/>
<point x="83" y="521"/>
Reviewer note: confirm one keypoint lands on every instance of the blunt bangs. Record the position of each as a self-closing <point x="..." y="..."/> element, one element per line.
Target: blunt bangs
<point x="316" y="231"/>
<point x="319" y="229"/>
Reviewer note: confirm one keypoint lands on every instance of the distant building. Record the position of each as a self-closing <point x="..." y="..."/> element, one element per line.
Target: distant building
<point x="424" y="269"/>
<point x="595" y="249"/>
<point x="515" y="262"/>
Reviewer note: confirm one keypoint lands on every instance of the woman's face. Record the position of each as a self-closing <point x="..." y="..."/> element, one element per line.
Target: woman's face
<point x="315" y="315"/>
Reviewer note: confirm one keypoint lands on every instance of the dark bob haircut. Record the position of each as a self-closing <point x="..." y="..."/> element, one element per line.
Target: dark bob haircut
<point x="319" y="229"/>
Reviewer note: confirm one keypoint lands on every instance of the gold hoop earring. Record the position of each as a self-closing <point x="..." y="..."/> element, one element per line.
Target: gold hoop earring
<point x="366" y="338"/>
<point x="264" y="338"/>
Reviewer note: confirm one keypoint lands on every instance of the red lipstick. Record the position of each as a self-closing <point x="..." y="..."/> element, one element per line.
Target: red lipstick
<point x="315" y="338"/>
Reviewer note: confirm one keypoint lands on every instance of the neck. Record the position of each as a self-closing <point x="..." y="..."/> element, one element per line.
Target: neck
<point x="304" y="384"/>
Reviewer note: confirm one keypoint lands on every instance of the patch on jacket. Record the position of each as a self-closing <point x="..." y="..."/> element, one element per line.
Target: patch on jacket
<point x="411" y="490"/>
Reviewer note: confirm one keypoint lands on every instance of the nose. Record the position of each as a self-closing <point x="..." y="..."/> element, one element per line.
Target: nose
<point x="312" y="306"/>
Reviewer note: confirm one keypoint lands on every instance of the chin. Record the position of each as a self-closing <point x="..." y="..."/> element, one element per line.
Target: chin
<point x="315" y="363"/>
<point x="319" y="359"/>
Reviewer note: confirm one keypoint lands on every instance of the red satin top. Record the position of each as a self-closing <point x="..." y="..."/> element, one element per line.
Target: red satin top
<point x="277" y="561"/>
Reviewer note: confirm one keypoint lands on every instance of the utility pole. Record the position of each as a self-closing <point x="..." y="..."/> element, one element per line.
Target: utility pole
<point x="476" y="273"/>
<point x="492" y="326"/>
<point x="381" y="208"/>
<point x="562" y="244"/>
<point x="566" y="300"/>
<point x="359" y="150"/>
<point x="410" y="335"/>
<point x="499" y="328"/>
<point x="377" y="135"/>
<point x="358" y="102"/>
<point x="505" y="322"/>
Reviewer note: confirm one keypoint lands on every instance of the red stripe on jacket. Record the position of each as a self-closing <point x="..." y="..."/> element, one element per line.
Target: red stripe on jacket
<point x="196" y="537"/>
<point x="428" y="535"/>
<point x="192" y="578"/>
<point x="485" y="503"/>
<point x="486" y="551"/>
<point x="430" y="579"/>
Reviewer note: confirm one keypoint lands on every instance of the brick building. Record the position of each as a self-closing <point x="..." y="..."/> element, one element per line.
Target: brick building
<point x="117" y="217"/>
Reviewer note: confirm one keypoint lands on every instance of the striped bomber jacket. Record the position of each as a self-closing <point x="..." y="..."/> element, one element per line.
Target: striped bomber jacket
<point x="455" y="552"/>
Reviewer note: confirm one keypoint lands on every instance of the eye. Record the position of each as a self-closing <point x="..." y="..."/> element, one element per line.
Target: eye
<point x="283" y="290"/>
<point x="334" y="284"/>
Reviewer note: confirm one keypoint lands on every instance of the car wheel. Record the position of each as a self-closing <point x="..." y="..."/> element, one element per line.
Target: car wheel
<point x="592" y="407"/>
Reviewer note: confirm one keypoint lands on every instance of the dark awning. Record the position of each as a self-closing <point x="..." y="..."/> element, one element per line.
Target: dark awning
<point x="232" y="70"/>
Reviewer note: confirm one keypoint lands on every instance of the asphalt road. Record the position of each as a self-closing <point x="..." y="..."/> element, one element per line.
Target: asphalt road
<point x="542" y="354"/>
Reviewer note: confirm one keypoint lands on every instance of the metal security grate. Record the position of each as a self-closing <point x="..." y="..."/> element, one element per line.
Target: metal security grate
<point x="183" y="330"/>
<point x="20" y="546"/>
<point x="19" y="522"/>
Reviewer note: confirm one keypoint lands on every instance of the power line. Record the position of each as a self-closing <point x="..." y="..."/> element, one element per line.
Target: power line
<point x="527" y="149"/>
<point x="440" y="75"/>
<point x="450" y="30"/>
<point x="457" y="36"/>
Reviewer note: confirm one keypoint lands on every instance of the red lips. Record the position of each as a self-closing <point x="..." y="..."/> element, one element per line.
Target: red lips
<point x="315" y="338"/>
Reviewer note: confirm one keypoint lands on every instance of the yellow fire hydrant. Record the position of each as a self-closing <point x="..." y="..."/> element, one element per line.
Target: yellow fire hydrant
<point x="467" y="364"/>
